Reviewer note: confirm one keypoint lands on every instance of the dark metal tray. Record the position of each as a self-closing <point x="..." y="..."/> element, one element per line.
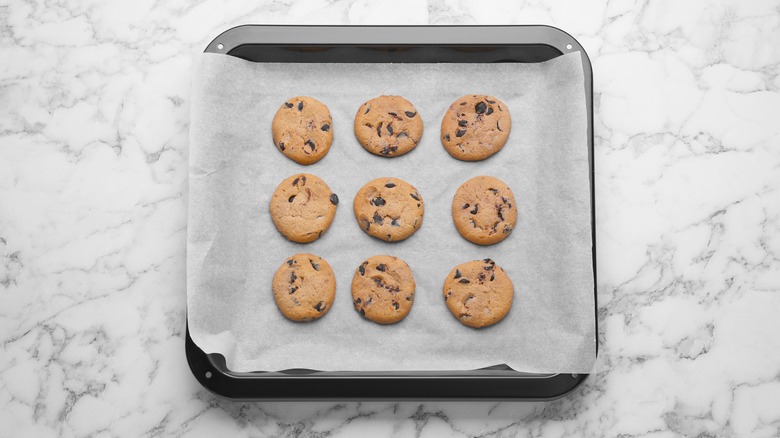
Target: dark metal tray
<point x="382" y="44"/>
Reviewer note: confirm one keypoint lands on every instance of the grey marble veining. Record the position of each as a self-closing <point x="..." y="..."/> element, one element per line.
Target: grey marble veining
<point x="94" y="115"/>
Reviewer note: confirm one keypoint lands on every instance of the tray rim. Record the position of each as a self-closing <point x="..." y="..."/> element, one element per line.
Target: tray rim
<point x="210" y="369"/>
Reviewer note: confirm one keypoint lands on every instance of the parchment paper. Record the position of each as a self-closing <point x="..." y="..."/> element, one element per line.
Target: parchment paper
<point x="233" y="248"/>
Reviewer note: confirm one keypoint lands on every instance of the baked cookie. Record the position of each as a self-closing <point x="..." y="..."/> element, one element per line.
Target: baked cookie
<point x="389" y="209"/>
<point x="475" y="127"/>
<point x="383" y="289"/>
<point x="304" y="287"/>
<point x="388" y="126"/>
<point x="303" y="129"/>
<point x="478" y="293"/>
<point x="302" y="207"/>
<point x="484" y="210"/>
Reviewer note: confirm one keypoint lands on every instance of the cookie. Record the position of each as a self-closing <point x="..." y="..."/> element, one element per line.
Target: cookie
<point x="304" y="287"/>
<point x="478" y="293"/>
<point x="388" y="126"/>
<point x="303" y="129"/>
<point x="383" y="289"/>
<point x="475" y="127"/>
<point x="484" y="210"/>
<point x="389" y="209"/>
<point x="302" y="207"/>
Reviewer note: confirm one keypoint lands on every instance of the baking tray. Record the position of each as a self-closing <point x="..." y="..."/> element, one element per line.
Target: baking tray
<point x="383" y="44"/>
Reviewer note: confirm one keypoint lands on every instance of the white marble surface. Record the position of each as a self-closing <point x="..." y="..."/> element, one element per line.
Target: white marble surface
<point x="93" y="147"/>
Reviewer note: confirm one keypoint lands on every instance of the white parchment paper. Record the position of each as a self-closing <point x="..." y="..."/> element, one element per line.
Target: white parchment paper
<point x="233" y="248"/>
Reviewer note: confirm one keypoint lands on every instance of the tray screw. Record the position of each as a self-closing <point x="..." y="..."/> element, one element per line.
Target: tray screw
<point x="574" y="376"/>
<point x="208" y="374"/>
<point x="568" y="46"/>
<point x="220" y="46"/>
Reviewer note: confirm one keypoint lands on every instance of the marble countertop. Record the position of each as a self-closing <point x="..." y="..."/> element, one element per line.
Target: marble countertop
<point x="94" y="109"/>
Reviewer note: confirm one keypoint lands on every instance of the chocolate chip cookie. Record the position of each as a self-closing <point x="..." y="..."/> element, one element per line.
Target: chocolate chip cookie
<point x="389" y="209"/>
<point x="484" y="210"/>
<point x="302" y="207"/>
<point x="303" y="129"/>
<point x="388" y="126"/>
<point x="478" y="293"/>
<point x="304" y="287"/>
<point x="383" y="289"/>
<point x="475" y="127"/>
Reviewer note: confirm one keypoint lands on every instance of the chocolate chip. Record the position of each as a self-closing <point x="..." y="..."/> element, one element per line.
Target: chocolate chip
<point x="377" y="218"/>
<point x="396" y="306"/>
<point x="490" y="101"/>
<point x="460" y="133"/>
<point x="379" y="129"/>
<point x="393" y="114"/>
<point x="325" y="127"/>
<point x="290" y="199"/>
<point x="320" y="306"/>
<point x="481" y="277"/>
<point x="292" y="277"/>
<point x="378" y="201"/>
<point x="493" y="191"/>
<point x="365" y="222"/>
<point x="395" y="223"/>
<point x="358" y="301"/>
<point x="475" y="209"/>
<point x="362" y="268"/>
<point x="378" y="282"/>
<point x="498" y="125"/>
<point x="410" y="114"/>
<point x="295" y="181"/>
<point x="334" y="199"/>
<point x="281" y="145"/>
<point x="401" y="135"/>
<point x="408" y="298"/>
<point x="489" y="261"/>
<point x="504" y="200"/>
<point x="368" y="108"/>
<point x="288" y="104"/>
<point x="390" y="128"/>
<point x="363" y="312"/>
<point x="300" y="106"/>
<point x="314" y="265"/>
<point x="464" y="281"/>
<point x="415" y="196"/>
<point x="447" y="137"/>
<point x="457" y="274"/>
<point x="499" y="108"/>
<point x="381" y="267"/>
<point x="293" y="289"/>
<point x="385" y="151"/>
<point x="507" y="229"/>
<point x="290" y="262"/>
<point x="465" y="206"/>
<point x="303" y="180"/>
<point x="489" y="111"/>
<point x="463" y="123"/>
<point x="311" y="145"/>
<point x="480" y="108"/>
<point x="389" y="238"/>
<point x="389" y="185"/>
<point x="462" y="103"/>
<point x="492" y="276"/>
<point x="500" y="215"/>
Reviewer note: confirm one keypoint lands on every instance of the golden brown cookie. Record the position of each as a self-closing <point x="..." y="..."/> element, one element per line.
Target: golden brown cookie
<point x="304" y="287"/>
<point x="484" y="210"/>
<point x="475" y="127"/>
<point x="388" y="126"/>
<point x="302" y="207"/>
<point x="389" y="209"/>
<point x="383" y="289"/>
<point x="303" y="129"/>
<point x="478" y="293"/>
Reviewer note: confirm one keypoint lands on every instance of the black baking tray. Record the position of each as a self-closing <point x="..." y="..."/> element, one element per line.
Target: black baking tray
<point x="383" y="44"/>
